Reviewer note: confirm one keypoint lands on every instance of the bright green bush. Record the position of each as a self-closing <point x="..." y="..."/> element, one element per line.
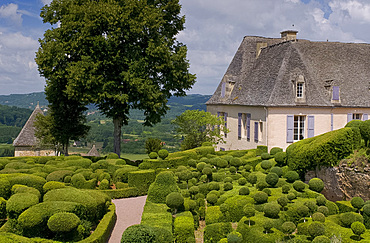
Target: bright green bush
<point x="365" y="131"/>
<point x="228" y="186"/>
<point x="174" y="201"/>
<point x="234" y="237"/>
<point x="153" y="155"/>
<point x="138" y="234"/>
<point x="28" y="180"/>
<point x="272" y="179"/>
<point x="234" y="207"/>
<point x="52" y="185"/>
<point x="291" y="196"/>
<point x="323" y="150"/>
<point x="104" y="184"/>
<point x="332" y="207"/>
<point x="266" y="164"/>
<point x="275" y="150"/>
<point x="280" y="158"/>
<point x="214" y="215"/>
<point x="321" y="239"/>
<point x="163" y="185"/>
<point x="25" y="189"/>
<point x="316" y="184"/>
<point x="265" y="156"/>
<point x="5" y="188"/>
<point x="112" y="156"/>
<point x="212" y="198"/>
<point x="357" y="203"/>
<point x="299" y="186"/>
<point x="288" y="227"/>
<point x="346" y="219"/>
<point x="58" y="175"/>
<point x="358" y="228"/>
<point x="121" y="174"/>
<point x="184" y="228"/>
<point x="318" y="217"/>
<point x="321" y="200"/>
<point x="141" y="179"/>
<point x="63" y="222"/>
<point x="277" y="170"/>
<point x="79" y="181"/>
<point x="271" y="210"/>
<point x="163" y="153"/>
<point x="19" y="202"/>
<point x="260" y="197"/>
<point x="324" y="210"/>
<point x="215" y="232"/>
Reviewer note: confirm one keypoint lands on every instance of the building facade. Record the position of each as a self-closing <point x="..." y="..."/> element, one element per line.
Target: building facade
<point x="280" y="90"/>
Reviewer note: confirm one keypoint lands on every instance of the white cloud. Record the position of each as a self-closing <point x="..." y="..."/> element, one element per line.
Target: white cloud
<point x="11" y="13"/>
<point x="46" y="1"/>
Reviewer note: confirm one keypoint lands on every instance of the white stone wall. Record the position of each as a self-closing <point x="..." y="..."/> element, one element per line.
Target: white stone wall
<point x="28" y="151"/>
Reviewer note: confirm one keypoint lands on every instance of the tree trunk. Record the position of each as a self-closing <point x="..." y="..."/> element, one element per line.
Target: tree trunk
<point x="117" y="122"/>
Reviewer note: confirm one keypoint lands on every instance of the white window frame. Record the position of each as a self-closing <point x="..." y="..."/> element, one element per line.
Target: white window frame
<point x="300" y="87"/>
<point x="357" y="116"/>
<point x="299" y="127"/>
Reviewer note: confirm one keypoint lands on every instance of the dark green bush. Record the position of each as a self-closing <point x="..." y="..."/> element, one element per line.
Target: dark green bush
<point x="163" y="153"/>
<point x="316" y="229"/>
<point x="346" y="219"/>
<point x="163" y="185"/>
<point x="285" y="189"/>
<point x="291" y="176"/>
<point x="228" y="179"/>
<point x="316" y="184"/>
<point x="79" y="181"/>
<point x="277" y="170"/>
<point x="267" y="191"/>
<point x="244" y="190"/>
<point x="324" y="210"/>
<point x="260" y="197"/>
<point x="262" y="148"/>
<point x="228" y="186"/>
<point x="288" y="227"/>
<point x="236" y="162"/>
<point x="19" y="202"/>
<point x="232" y="169"/>
<point x="252" y="178"/>
<point x="265" y="156"/>
<point x="5" y="188"/>
<point x="267" y="225"/>
<point x="153" y="155"/>
<point x="311" y="206"/>
<point x="318" y="217"/>
<point x="321" y="200"/>
<point x="357" y="203"/>
<point x="323" y="150"/>
<point x="63" y="222"/>
<point x="2" y="208"/>
<point x="365" y="131"/>
<point x="321" y="239"/>
<point x="299" y="186"/>
<point x="275" y="150"/>
<point x="121" y="174"/>
<point x="28" y="180"/>
<point x="215" y="232"/>
<point x="280" y="158"/>
<point x="51" y="185"/>
<point x="141" y="179"/>
<point x="291" y="196"/>
<point x="332" y="207"/>
<point x="283" y="201"/>
<point x="212" y="198"/>
<point x="272" y="179"/>
<point x="234" y="237"/>
<point x="138" y="234"/>
<point x="266" y="164"/>
<point x="104" y="184"/>
<point x="175" y="201"/>
<point x="262" y="185"/>
<point x="213" y="186"/>
<point x="58" y="175"/>
<point x="271" y="210"/>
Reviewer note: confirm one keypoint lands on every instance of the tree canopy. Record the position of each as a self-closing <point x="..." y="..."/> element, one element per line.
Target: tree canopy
<point x="198" y="127"/>
<point x="120" y="55"/>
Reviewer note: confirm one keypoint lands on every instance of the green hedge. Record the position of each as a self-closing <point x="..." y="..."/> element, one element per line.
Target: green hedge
<point x="121" y="174"/>
<point x="25" y="189"/>
<point x="59" y="175"/>
<point x="190" y="154"/>
<point x="345" y="206"/>
<point x="19" y="202"/>
<point x="214" y="215"/>
<point x="52" y="185"/>
<point x="103" y="231"/>
<point x="154" y="164"/>
<point x="184" y="228"/>
<point x="122" y="193"/>
<point x="215" y="232"/>
<point x="235" y="206"/>
<point x="204" y="150"/>
<point x="28" y="180"/>
<point x="163" y="185"/>
<point x="253" y="161"/>
<point x="323" y="150"/>
<point x="177" y="161"/>
<point x="141" y="179"/>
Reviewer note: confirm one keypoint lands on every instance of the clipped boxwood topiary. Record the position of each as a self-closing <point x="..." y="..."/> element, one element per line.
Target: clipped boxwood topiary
<point x="174" y="201"/>
<point x="357" y="203"/>
<point x="242" y="181"/>
<point x="288" y="227"/>
<point x="316" y="229"/>
<point x="321" y="200"/>
<point x="285" y="189"/>
<point x="324" y="210"/>
<point x="321" y="239"/>
<point x="163" y="153"/>
<point x="265" y="156"/>
<point x="52" y="185"/>
<point x="19" y="202"/>
<point x="234" y="237"/>
<point x="275" y="150"/>
<point x="271" y="210"/>
<point x="2" y="208"/>
<point x="346" y="219"/>
<point x="104" y="185"/>
<point x="139" y="233"/>
<point x="153" y="155"/>
<point x="5" y="188"/>
<point x="299" y="186"/>
<point x="272" y="179"/>
<point x="63" y="222"/>
<point x="280" y="158"/>
<point x="28" y="180"/>
<point x="291" y="176"/>
<point x="260" y="197"/>
<point x="316" y="184"/>
<point x="266" y="164"/>
<point x="228" y="186"/>
<point x="244" y="190"/>
<point x="277" y="170"/>
<point x="318" y="217"/>
<point x="252" y="178"/>
<point x="358" y="228"/>
<point x="25" y="189"/>
<point x="163" y="185"/>
<point x="58" y="175"/>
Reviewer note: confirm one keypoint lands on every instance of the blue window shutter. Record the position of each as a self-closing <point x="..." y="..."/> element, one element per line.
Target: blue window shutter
<point x="335" y="92"/>
<point x="223" y="88"/>
<point x="218" y="114"/>
<point x="349" y="117"/>
<point x="225" y="117"/>
<point x="239" y="125"/>
<point x="248" y="126"/>
<point x="290" y="129"/>
<point x="332" y="122"/>
<point x="365" y="117"/>
<point x="311" y="127"/>
<point x="256" y="132"/>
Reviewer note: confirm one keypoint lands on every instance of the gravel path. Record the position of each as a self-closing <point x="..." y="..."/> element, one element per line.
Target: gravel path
<point x="129" y="211"/>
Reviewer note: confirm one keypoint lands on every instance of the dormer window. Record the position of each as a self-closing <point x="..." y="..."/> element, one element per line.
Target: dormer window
<point x="299" y="90"/>
<point x="227" y="86"/>
<point x="335" y="94"/>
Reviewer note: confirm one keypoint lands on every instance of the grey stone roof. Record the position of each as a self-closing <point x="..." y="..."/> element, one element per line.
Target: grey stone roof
<point x="27" y="135"/>
<point x="93" y="152"/>
<point x="267" y="80"/>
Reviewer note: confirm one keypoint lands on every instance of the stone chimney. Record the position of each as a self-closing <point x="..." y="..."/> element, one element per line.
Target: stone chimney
<point x="289" y="35"/>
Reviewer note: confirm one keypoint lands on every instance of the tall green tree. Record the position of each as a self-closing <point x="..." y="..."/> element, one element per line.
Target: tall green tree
<point x="198" y="127"/>
<point x="120" y="55"/>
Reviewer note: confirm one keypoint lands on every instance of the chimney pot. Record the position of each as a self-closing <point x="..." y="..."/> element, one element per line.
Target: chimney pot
<point x="289" y="35"/>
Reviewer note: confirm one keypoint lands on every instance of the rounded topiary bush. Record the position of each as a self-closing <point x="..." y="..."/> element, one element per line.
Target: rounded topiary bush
<point x="272" y="179"/>
<point x="52" y="185"/>
<point x="163" y="185"/>
<point x="265" y="156"/>
<point x="138" y="234"/>
<point x="228" y="186"/>
<point x="58" y="175"/>
<point x="271" y="210"/>
<point x="266" y="164"/>
<point x="321" y="239"/>
<point x="5" y="188"/>
<point x="280" y="158"/>
<point x="288" y="227"/>
<point x="321" y="200"/>
<point x="291" y="196"/>
<point x="366" y="209"/>
<point x="25" y="189"/>
<point x="232" y="169"/>
<point x="174" y="201"/>
<point x="267" y="191"/>
<point x="260" y="197"/>
<point x="275" y="150"/>
<point x="291" y="176"/>
<point x="228" y="179"/>
<point x="299" y="186"/>
<point x="244" y="190"/>
<point x="234" y="237"/>
<point x="285" y="189"/>
<point x="357" y="202"/>
<point x="222" y="163"/>
<point x="212" y="198"/>
<point x="316" y="229"/>
<point x="104" y="184"/>
<point x="252" y="178"/>
<point x="163" y="153"/>
<point x="63" y="222"/>
<point x="318" y="217"/>
<point x="236" y="162"/>
<point x="346" y="219"/>
<point x="242" y="181"/>
<point x="358" y="228"/>
<point x="112" y="156"/>
<point x="153" y="155"/>
<point x="283" y="201"/>
<point x="19" y="202"/>
<point x="324" y="210"/>
<point x="316" y="184"/>
<point x="200" y="166"/>
<point x="2" y="208"/>
<point x="213" y="186"/>
<point x="262" y="185"/>
<point x="277" y="170"/>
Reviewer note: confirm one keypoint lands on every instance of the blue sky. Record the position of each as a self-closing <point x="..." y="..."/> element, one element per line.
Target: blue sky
<point x="214" y="31"/>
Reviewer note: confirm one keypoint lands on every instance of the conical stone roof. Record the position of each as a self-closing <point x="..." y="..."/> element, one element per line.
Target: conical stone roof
<point x="93" y="152"/>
